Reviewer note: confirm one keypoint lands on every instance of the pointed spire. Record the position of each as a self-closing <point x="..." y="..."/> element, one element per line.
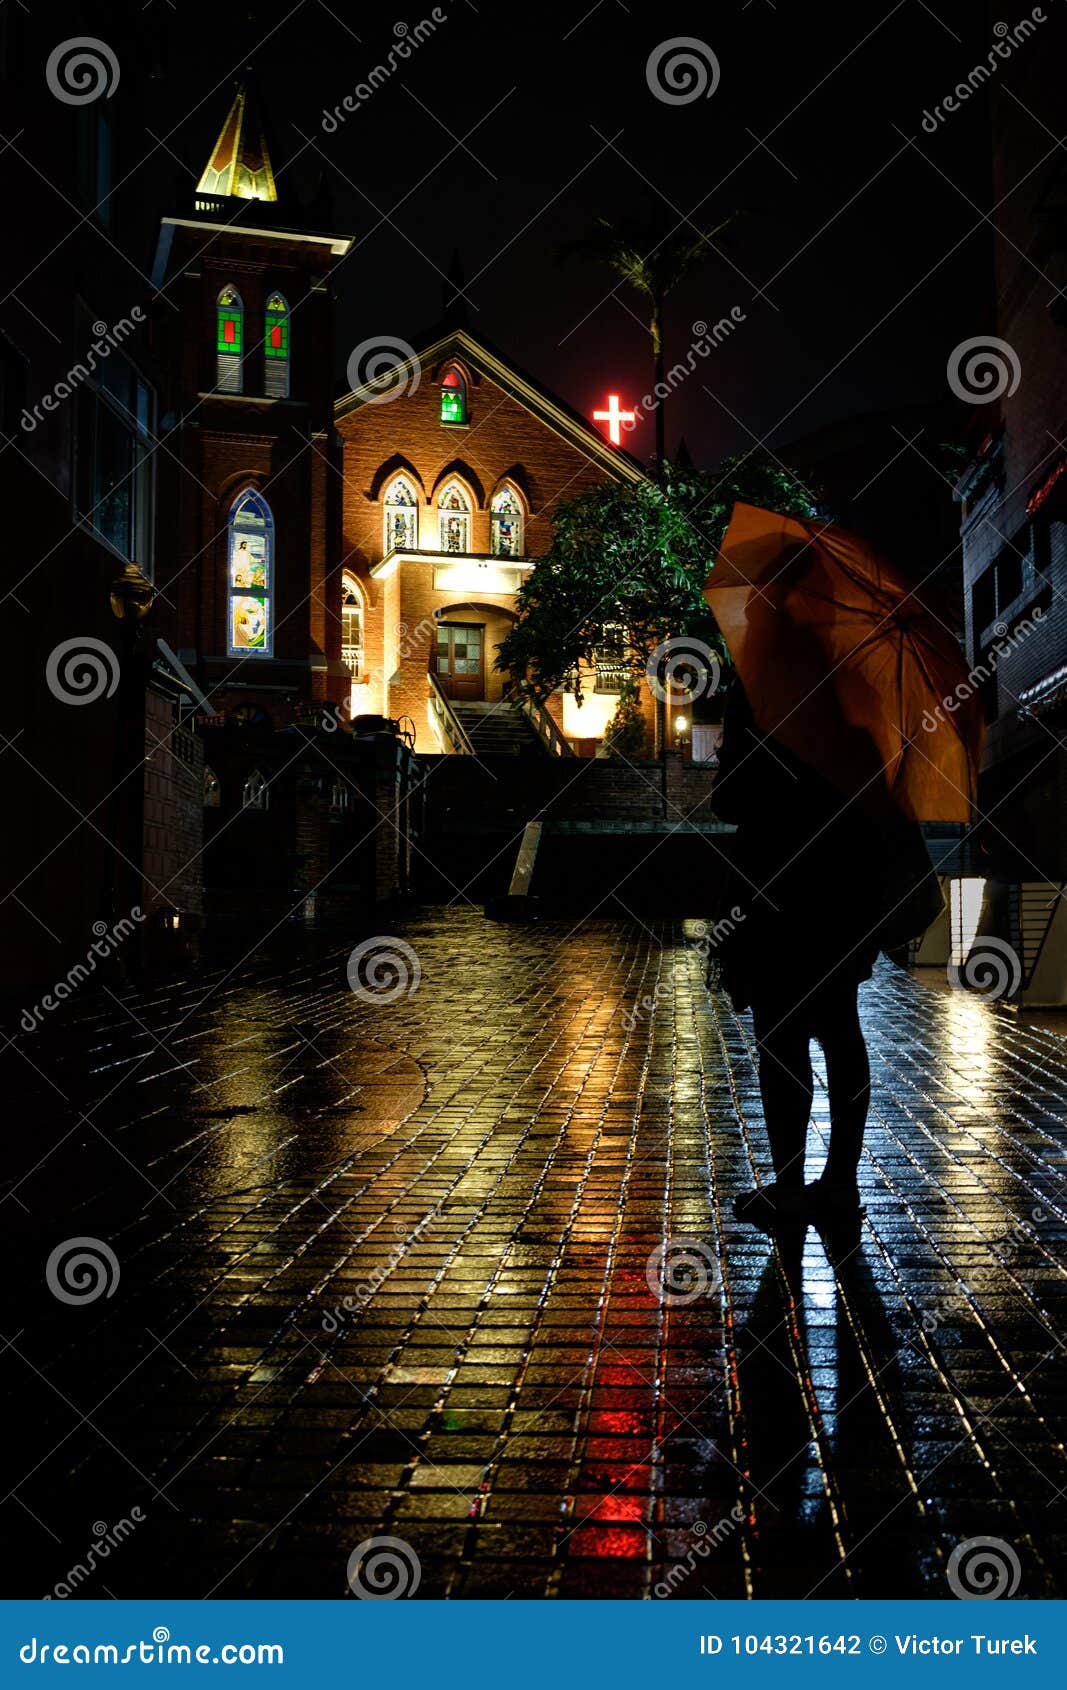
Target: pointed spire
<point x="240" y="166"/>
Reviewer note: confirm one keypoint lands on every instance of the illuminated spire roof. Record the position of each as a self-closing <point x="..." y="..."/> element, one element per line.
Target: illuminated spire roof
<point x="239" y="166"/>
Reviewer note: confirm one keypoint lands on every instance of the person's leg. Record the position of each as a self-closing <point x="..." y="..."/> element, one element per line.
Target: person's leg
<point x="848" y="1082"/>
<point x="786" y="1084"/>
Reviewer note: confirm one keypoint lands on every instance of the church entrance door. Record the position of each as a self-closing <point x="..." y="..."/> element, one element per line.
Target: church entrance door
<point x="460" y="660"/>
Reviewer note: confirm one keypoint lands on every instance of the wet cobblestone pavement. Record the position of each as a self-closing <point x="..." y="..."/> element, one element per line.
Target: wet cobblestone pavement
<point x="483" y="1169"/>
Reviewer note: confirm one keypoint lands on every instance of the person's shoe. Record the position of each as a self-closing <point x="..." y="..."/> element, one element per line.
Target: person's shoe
<point x="826" y="1199"/>
<point x="772" y="1205"/>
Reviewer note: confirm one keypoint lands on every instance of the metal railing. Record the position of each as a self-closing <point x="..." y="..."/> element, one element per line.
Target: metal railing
<point x="454" y="736"/>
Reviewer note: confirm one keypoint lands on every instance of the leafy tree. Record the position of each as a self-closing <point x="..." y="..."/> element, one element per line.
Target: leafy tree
<point x="626" y="735"/>
<point x="653" y="256"/>
<point x="627" y="567"/>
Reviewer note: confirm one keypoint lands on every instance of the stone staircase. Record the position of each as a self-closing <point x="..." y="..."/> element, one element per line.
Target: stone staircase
<point x="496" y="730"/>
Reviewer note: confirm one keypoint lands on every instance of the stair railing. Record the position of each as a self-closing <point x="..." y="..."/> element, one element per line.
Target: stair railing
<point x="450" y="729"/>
<point x="545" y="728"/>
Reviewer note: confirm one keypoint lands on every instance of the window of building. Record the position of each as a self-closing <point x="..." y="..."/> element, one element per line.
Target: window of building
<point x="454" y="519"/>
<point x="506" y="524"/>
<point x="276" y="348"/>
<point x="256" y="793"/>
<point x="401" y="516"/>
<point x="212" y="789"/>
<point x="113" y="475"/>
<point x="453" y="396"/>
<point x="251" y="570"/>
<point x="612" y="669"/>
<point x="229" y="341"/>
<point x="351" y="627"/>
<point x="340" y="797"/>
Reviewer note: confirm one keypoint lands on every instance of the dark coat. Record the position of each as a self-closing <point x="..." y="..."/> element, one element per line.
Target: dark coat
<point x="821" y="886"/>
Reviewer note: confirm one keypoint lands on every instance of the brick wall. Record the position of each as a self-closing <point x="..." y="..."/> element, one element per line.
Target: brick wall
<point x="503" y="441"/>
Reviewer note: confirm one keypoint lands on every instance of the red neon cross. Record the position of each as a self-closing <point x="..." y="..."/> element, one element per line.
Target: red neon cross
<point x="613" y="416"/>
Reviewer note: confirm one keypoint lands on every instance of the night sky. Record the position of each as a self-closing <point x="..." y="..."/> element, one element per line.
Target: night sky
<point x="848" y="230"/>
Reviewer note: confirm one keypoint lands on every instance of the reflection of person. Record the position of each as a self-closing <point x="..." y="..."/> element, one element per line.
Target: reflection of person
<point x="817" y="882"/>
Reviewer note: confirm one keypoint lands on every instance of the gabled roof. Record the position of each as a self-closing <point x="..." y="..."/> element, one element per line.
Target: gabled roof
<point x="569" y="424"/>
<point x="239" y="166"/>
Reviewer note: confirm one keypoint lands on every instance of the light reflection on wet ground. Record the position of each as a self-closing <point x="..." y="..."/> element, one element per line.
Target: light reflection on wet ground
<point x="482" y="1170"/>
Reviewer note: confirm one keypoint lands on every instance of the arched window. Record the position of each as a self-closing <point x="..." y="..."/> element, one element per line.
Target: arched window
<point x="256" y="793"/>
<point x="212" y="789"/>
<point x="401" y="516"/>
<point x="454" y="519"/>
<point x="229" y="341"/>
<point x="453" y="396"/>
<point x="340" y="797"/>
<point x="506" y="524"/>
<point x="251" y="572"/>
<point x="351" y="626"/>
<point x="276" y="348"/>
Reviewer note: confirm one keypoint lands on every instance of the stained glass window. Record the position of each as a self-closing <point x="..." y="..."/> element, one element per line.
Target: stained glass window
<point x="250" y="567"/>
<point x="351" y="626"/>
<point x="229" y="340"/>
<point x="454" y="519"/>
<point x="401" y="517"/>
<point x="506" y="524"/>
<point x="256" y="793"/>
<point x="453" y="397"/>
<point x="276" y="348"/>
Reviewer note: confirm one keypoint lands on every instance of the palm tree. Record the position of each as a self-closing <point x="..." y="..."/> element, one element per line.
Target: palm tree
<point x="653" y="260"/>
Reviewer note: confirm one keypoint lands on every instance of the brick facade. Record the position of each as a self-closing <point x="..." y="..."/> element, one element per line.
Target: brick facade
<point x="513" y="437"/>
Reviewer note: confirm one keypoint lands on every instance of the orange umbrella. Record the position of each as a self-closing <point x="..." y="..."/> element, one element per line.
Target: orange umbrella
<point x="844" y="664"/>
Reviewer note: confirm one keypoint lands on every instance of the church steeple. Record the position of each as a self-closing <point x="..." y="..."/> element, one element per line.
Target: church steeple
<point x="240" y="164"/>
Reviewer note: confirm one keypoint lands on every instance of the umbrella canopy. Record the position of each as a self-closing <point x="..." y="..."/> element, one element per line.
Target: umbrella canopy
<point x="844" y="665"/>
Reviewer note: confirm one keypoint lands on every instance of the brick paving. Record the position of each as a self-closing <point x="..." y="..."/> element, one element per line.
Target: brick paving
<point x="483" y="1169"/>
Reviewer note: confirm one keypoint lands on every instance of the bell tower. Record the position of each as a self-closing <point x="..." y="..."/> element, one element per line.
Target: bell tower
<point x="251" y="573"/>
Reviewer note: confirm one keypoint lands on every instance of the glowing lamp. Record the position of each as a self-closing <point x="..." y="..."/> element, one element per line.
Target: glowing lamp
<point x="614" y="416"/>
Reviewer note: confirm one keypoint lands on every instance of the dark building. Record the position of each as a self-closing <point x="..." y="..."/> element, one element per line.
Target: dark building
<point x="1013" y="499"/>
<point x="102" y="779"/>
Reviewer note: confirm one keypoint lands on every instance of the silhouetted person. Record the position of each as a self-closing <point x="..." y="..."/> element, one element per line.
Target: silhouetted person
<point x="817" y="882"/>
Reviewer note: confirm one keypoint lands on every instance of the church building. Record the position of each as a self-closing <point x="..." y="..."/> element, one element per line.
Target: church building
<point x="450" y="487"/>
<point x="362" y="553"/>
